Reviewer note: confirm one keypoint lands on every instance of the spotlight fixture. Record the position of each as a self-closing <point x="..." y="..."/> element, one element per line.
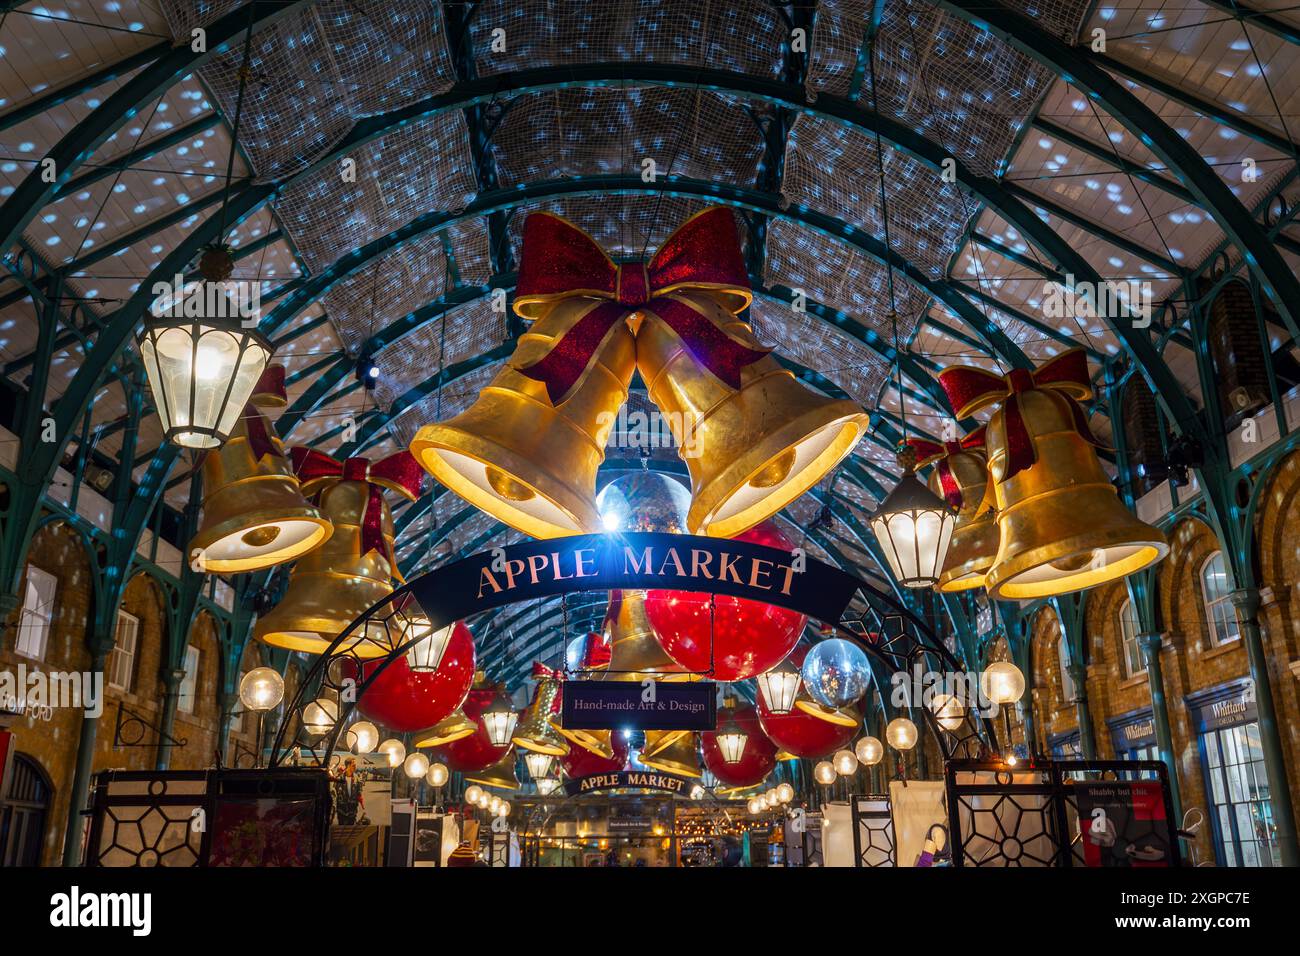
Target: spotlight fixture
<point x="367" y="371"/>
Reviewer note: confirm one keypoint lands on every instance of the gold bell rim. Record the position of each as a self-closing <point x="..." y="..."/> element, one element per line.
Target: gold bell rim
<point x="708" y="513"/>
<point x="539" y="745"/>
<point x="209" y="540"/>
<point x="1005" y="582"/>
<point x="456" y="730"/>
<point x="663" y="740"/>
<point x="312" y="642"/>
<point x="673" y="766"/>
<point x="596" y="741"/>
<point x="840" y="715"/>
<point x="433" y="443"/>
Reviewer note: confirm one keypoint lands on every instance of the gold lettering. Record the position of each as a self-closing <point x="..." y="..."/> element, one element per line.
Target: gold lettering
<point x="555" y="563"/>
<point x="700" y="561"/>
<point x="727" y="566"/>
<point x="789" y="578"/>
<point x="672" y="558"/>
<point x="629" y="561"/>
<point x="485" y="577"/>
<point x="535" y="563"/>
<point x="584" y="560"/>
<point x="513" y="566"/>
<point x="754" y="571"/>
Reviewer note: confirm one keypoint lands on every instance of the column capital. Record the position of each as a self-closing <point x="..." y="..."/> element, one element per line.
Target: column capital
<point x="1152" y="640"/>
<point x="1246" y="601"/>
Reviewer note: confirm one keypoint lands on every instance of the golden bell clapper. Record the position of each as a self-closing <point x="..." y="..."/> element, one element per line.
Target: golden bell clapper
<point x="334" y="585"/>
<point x="535" y="732"/>
<point x="959" y="475"/>
<point x="500" y="774"/>
<point x="1062" y="527"/>
<point x="680" y="756"/>
<point x="254" y="513"/>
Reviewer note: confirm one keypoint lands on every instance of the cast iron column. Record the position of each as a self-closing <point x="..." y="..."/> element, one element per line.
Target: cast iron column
<point x="1151" y="644"/>
<point x="81" y="773"/>
<point x="1246" y="601"/>
<point x="171" y="697"/>
<point x="1087" y="739"/>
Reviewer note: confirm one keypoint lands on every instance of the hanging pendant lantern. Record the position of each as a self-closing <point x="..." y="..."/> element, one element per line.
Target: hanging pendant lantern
<point x="731" y="737"/>
<point x="960" y="476"/>
<point x="500" y="718"/>
<point x="914" y="528"/>
<point x="538" y="764"/>
<point x="202" y="363"/>
<point x="780" y="687"/>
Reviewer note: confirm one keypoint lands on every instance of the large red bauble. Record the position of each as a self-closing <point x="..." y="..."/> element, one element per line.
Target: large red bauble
<point x="475" y="752"/>
<point x="403" y="700"/>
<point x="756" y="760"/>
<point x="742" y="637"/>
<point x="581" y="762"/>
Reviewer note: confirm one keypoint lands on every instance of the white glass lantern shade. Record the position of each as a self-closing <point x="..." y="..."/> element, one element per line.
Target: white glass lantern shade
<point x="901" y="734"/>
<point x="784" y="792"/>
<point x="261" y="689"/>
<point x="779" y="687"/>
<point x="1002" y="682"/>
<point x="948" y="711"/>
<point x="538" y="764"/>
<point x="362" y="737"/>
<point x="201" y="370"/>
<point x="394" y="750"/>
<point x="547" y="785"/>
<point x="319" y="716"/>
<point x="869" y="751"/>
<point x="484" y="800"/>
<point x="472" y="793"/>
<point x="416" y="765"/>
<point x="731" y="741"/>
<point x="756" y="805"/>
<point x="845" y="762"/>
<point x="425" y="655"/>
<point x="914" y="528"/>
<point x="824" y="773"/>
<point x="438" y="775"/>
<point x="500" y="719"/>
<point x="493" y="802"/>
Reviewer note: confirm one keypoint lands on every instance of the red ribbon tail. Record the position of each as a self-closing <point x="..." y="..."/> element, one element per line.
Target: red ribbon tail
<point x="372" y="524"/>
<point x="259" y="441"/>
<point x="561" y="368"/>
<point x="712" y="347"/>
<point x="951" y="490"/>
<point x="1020" y="446"/>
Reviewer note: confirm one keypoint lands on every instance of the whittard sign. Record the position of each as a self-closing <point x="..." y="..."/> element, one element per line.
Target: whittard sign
<point x="642" y="560"/>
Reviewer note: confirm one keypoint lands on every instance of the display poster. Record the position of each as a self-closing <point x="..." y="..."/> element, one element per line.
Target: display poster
<point x="1124" y="824"/>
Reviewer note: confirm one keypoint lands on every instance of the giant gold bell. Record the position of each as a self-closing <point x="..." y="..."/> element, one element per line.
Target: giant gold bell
<point x="1061" y="524"/>
<point x="681" y="756"/>
<point x="454" y="726"/>
<point x="535" y="732"/>
<point x="974" y="542"/>
<point x="500" y="774"/>
<point x="751" y="451"/>
<point x="335" y="584"/>
<point x="254" y="513"/>
<point x="523" y="460"/>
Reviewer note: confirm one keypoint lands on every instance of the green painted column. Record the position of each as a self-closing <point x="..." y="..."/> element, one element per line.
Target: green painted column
<point x="1246" y="601"/>
<point x="82" y="772"/>
<point x="171" y="697"/>
<point x="1151" y="644"/>
<point x="1087" y="738"/>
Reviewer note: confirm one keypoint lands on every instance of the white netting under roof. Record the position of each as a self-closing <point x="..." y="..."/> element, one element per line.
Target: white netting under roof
<point x="406" y="279"/>
<point x="957" y="85"/>
<point x="740" y="35"/>
<point x="457" y="395"/>
<point x="835" y="274"/>
<point x="610" y="131"/>
<point x="318" y="71"/>
<point x="834" y="170"/>
<point x="470" y="330"/>
<point x="818" y="345"/>
<point x="624" y="226"/>
<point x="421" y="168"/>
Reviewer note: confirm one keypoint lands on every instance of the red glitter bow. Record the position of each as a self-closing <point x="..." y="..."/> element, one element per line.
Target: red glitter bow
<point x="928" y="451"/>
<point x="399" y="472"/>
<point x="560" y="261"/>
<point x="269" y="392"/>
<point x="971" y="389"/>
<point x="542" y="672"/>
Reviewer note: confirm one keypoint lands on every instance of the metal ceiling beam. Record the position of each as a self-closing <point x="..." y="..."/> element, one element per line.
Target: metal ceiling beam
<point x="1257" y="18"/>
<point x="140" y="154"/>
<point x="80" y="143"/>
<point x="1115" y="162"/>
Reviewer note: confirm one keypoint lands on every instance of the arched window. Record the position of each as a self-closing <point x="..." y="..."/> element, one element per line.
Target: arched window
<point x="1240" y="365"/>
<point x="1068" y="692"/>
<point x="1130" y="649"/>
<point x="22" y="815"/>
<point x="1216" y="591"/>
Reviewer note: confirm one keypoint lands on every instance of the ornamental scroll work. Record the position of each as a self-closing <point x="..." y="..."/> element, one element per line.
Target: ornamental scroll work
<point x="640" y="560"/>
